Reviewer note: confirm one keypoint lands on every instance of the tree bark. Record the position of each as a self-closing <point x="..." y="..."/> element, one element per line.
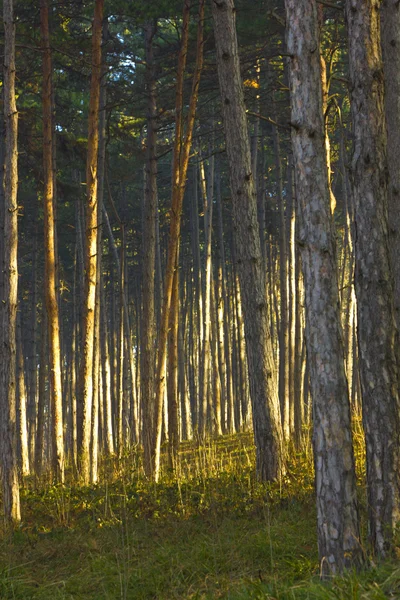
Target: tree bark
<point x="50" y="250"/>
<point x="180" y="164"/>
<point x="10" y="278"/>
<point x="377" y="331"/>
<point x="149" y="253"/>
<point x="338" y="528"/>
<point x="390" y="28"/>
<point x="262" y="370"/>
<point x="21" y="403"/>
<point x="86" y="374"/>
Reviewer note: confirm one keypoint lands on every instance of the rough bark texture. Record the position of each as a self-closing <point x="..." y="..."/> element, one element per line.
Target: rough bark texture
<point x="262" y="370"/>
<point x="390" y="28"/>
<point x="10" y="278"/>
<point x="338" y="529"/>
<point x="377" y="332"/>
<point x="86" y="374"/>
<point x="50" y="250"/>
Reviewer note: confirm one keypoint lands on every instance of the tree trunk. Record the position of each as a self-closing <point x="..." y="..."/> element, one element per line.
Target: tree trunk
<point x="377" y="331"/>
<point x="10" y="278"/>
<point x="262" y="370"/>
<point x="390" y="28"/>
<point x="50" y="250"/>
<point x="39" y="445"/>
<point x="86" y="374"/>
<point x="283" y="295"/>
<point x="149" y="253"/>
<point x="172" y="387"/>
<point x="22" y="402"/>
<point x="338" y="528"/>
<point x="180" y="164"/>
<point x="207" y="188"/>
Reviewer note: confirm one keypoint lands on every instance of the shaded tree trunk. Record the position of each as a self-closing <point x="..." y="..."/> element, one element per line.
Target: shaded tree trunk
<point x="377" y="331"/>
<point x="390" y="28"/>
<point x="338" y="528"/>
<point x="262" y="370"/>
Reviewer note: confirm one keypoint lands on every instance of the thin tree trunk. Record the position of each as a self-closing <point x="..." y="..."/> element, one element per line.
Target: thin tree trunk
<point x="33" y="375"/>
<point x="50" y="250"/>
<point x="283" y="297"/>
<point x="39" y="445"/>
<point x="149" y="253"/>
<point x="86" y="374"/>
<point x="180" y="164"/>
<point x="108" y="428"/>
<point x="172" y="385"/>
<point x="21" y="403"/>
<point x="207" y="187"/>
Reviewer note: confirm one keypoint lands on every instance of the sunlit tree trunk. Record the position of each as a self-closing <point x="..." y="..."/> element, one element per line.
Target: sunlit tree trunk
<point x="207" y="188"/>
<point x="21" y="404"/>
<point x="262" y="370"/>
<point x="50" y="250"/>
<point x="172" y="384"/>
<point x="377" y="331"/>
<point x="86" y="372"/>
<point x="97" y="352"/>
<point x="183" y="141"/>
<point x="10" y="278"/>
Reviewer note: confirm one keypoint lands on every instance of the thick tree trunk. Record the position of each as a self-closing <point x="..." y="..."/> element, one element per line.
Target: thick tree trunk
<point x="377" y="331"/>
<point x="262" y="370"/>
<point x="10" y="278"/>
<point x="338" y="528"/>
<point x="390" y="27"/>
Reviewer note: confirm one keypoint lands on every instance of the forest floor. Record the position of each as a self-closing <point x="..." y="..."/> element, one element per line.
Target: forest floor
<point x="213" y="532"/>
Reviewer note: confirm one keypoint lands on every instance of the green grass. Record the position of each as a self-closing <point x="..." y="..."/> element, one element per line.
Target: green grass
<point x="214" y="532"/>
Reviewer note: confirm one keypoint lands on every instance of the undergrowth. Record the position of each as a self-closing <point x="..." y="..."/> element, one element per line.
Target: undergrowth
<point x="210" y="531"/>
